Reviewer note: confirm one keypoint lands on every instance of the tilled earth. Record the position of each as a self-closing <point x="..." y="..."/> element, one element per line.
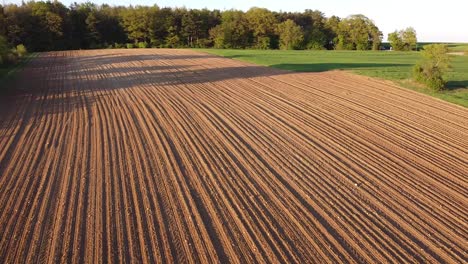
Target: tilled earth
<point x="178" y="156"/>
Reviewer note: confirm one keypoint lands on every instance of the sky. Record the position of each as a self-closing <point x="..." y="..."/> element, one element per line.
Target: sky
<point x="434" y="20"/>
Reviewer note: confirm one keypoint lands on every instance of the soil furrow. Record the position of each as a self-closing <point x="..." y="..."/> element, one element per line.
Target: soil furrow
<point x="176" y="156"/>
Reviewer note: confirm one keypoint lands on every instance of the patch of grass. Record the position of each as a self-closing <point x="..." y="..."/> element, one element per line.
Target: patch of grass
<point x="458" y="47"/>
<point x="9" y="71"/>
<point x="388" y="65"/>
<point x="453" y="47"/>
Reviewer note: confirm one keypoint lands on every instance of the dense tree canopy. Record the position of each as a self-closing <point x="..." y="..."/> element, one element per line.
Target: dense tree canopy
<point x="358" y="32"/>
<point x="403" y="40"/>
<point x="233" y="32"/>
<point x="262" y="23"/>
<point x="42" y="26"/>
<point x="290" y="35"/>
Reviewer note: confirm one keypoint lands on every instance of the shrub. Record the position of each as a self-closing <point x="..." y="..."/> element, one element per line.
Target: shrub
<point x="315" y="46"/>
<point x="95" y="45"/>
<point x="142" y="45"/>
<point x="430" y="76"/>
<point x="263" y="43"/>
<point x="7" y="55"/>
<point x="21" y="50"/>
<point x="11" y="58"/>
<point x="156" y="43"/>
<point x="4" y="50"/>
<point x="172" y="41"/>
<point x="203" y="43"/>
<point x="431" y="69"/>
<point x="217" y="36"/>
<point x="118" y="45"/>
<point x="130" y="45"/>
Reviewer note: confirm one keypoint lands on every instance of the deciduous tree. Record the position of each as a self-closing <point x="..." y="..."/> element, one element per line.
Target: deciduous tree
<point x="431" y="69"/>
<point x="403" y="40"/>
<point x="262" y="23"/>
<point x="290" y="35"/>
<point x="50" y="26"/>
<point x="138" y="23"/>
<point x="233" y="32"/>
<point x="357" y="32"/>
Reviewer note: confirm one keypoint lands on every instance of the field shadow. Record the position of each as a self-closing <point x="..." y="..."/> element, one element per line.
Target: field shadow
<point x="237" y="56"/>
<point x="322" y="67"/>
<point x="153" y="69"/>
<point x="56" y="83"/>
<point x="167" y="69"/>
<point x="36" y="91"/>
<point x="121" y="57"/>
<point x="457" y="85"/>
<point x="60" y="82"/>
<point x="192" y="75"/>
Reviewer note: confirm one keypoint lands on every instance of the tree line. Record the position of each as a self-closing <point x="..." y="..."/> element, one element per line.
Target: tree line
<point x="44" y="26"/>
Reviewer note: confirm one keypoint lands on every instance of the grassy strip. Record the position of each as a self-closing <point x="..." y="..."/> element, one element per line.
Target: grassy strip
<point x="458" y="47"/>
<point x="9" y="72"/>
<point x="388" y="65"/>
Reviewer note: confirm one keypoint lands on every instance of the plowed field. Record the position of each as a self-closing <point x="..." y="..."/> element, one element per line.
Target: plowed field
<point x="178" y="156"/>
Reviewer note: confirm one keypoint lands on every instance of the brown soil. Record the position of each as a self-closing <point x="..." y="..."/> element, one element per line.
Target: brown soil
<point x="177" y="156"/>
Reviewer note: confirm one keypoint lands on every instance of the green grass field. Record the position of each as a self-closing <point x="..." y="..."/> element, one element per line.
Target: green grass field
<point x="458" y="47"/>
<point x="389" y="65"/>
<point x="453" y="47"/>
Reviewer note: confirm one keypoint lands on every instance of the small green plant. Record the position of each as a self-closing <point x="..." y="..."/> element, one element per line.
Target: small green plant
<point x="130" y="45"/>
<point x="11" y="57"/>
<point x="8" y="56"/>
<point x="315" y="46"/>
<point x="4" y="50"/>
<point x="21" y="50"/>
<point x="142" y="45"/>
<point x="95" y="46"/>
<point x="430" y="76"/>
<point x="203" y="43"/>
<point x="172" y="41"/>
<point x="263" y="43"/>
<point x="431" y="69"/>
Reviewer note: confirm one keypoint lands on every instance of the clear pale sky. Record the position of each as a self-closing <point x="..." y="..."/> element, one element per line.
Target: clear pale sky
<point x="434" y="20"/>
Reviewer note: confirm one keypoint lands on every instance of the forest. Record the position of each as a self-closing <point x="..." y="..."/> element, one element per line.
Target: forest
<point x="46" y="26"/>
